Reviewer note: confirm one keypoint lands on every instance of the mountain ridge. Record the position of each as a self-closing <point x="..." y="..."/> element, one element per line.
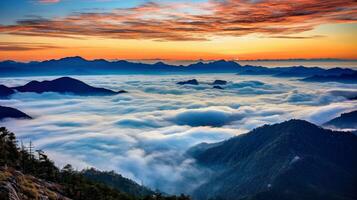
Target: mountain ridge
<point x="265" y="159"/>
<point x="64" y="85"/>
<point x="344" y="121"/>
<point x="8" y="112"/>
<point x="79" y="66"/>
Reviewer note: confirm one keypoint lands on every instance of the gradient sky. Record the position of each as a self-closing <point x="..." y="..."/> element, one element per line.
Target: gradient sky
<point x="178" y="30"/>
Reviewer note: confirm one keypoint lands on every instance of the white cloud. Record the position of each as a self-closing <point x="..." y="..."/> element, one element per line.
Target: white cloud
<point x="144" y="134"/>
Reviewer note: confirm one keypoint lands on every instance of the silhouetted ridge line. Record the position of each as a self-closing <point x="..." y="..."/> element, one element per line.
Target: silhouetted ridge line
<point x="65" y="85"/>
<point x="344" y="121"/>
<point x="8" y="112"/>
<point x="342" y="78"/>
<point x="290" y="160"/>
<point x="79" y="66"/>
<point x="5" y="91"/>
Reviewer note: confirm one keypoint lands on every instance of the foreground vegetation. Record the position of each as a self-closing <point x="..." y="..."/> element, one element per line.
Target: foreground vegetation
<point x="36" y="166"/>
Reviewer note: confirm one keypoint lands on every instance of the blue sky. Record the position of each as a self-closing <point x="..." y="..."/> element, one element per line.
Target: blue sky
<point x="11" y="11"/>
<point x="178" y="30"/>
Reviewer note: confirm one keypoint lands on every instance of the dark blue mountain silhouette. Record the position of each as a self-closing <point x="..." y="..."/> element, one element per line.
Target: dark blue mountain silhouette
<point x="8" y="112"/>
<point x="218" y="87"/>
<point x="291" y="160"/>
<point x="189" y="82"/>
<point x="219" y="82"/>
<point x="5" y="91"/>
<point x="65" y="85"/>
<point x="80" y="66"/>
<point x="345" y="121"/>
<point x="342" y="78"/>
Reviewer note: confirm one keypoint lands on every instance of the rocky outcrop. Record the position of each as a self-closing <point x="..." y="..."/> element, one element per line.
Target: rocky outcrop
<point x="16" y="186"/>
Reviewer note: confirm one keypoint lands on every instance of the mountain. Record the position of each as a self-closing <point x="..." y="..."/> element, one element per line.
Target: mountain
<point x="117" y="181"/>
<point x="219" y="82"/>
<point x="5" y="91"/>
<point x="342" y="78"/>
<point x="218" y="87"/>
<point x="65" y="85"/>
<point x="80" y="66"/>
<point x="189" y="82"/>
<point x="26" y="176"/>
<point x="214" y="67"/>
<point x="291" y="160"/>
<point x="7" y="112"/>
<point x="344" y="121"/>
<point x="294" y="71"/>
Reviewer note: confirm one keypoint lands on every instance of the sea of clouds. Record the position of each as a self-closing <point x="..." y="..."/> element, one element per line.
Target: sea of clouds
<point x="144" y="134"/>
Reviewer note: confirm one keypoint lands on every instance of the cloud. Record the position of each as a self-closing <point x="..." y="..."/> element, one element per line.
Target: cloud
<point x="325" y="113"/>
<point x="297" y="37"/>
<point x="48" y="1"/>
<point x="180" y="21"/>
<point x="25" y="46"/>
<point x="137" y="123"/>
<point x="214" y="117"/>
<point x="346" y="93"/>
<point x="144" y="134"/>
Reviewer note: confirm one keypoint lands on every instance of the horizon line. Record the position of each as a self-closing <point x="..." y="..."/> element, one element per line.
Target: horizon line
<point x="195" y="60"/>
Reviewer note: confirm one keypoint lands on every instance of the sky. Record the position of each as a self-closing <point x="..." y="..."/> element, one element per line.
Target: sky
<point x="178" y="30"/>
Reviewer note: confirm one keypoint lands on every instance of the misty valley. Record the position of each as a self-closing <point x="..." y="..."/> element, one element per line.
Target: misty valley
<point x="183" y="136"/>
<point x="178" y="100"/>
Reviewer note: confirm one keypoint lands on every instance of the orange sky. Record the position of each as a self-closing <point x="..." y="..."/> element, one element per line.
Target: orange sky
<point x="174" y="31"/>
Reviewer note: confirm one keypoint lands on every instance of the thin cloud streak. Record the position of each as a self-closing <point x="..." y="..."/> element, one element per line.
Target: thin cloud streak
<point x="297" y="37"/>
<point x="49" y="1"/>
<point x="26" y="46"/>
<point x="193" y="21"/>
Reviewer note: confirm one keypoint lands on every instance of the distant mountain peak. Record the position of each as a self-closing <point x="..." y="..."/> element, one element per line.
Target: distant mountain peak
<point x="222" y="61"/>
<point x="73" y="59"/>
<point x="160" y="63"/>
<point x="65" y="85"/>
<point x="344" y="121"/>
<point x="296" y="122"/>
<point x="292" y="126"/>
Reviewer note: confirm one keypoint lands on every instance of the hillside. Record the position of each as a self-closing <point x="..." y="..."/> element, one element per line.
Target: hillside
<point x="291" y="160"/>
<point x="26" y="176"/>
<point x="344" y="121"/>
<point x="8" y="112"/>
<point x="14" y="185"/>
<point x="117" y="181"/>
<point x="5" y="91"/>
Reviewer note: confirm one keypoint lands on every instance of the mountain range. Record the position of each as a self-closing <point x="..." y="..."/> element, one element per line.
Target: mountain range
<point x="344" y="121"/>
<point x="81" y="66"/>
<point x="291" y="160"/>
<point x="342" y="78"/>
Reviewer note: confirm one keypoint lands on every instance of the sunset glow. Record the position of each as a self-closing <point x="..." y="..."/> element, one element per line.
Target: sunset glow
<point x="177" y="30"/>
